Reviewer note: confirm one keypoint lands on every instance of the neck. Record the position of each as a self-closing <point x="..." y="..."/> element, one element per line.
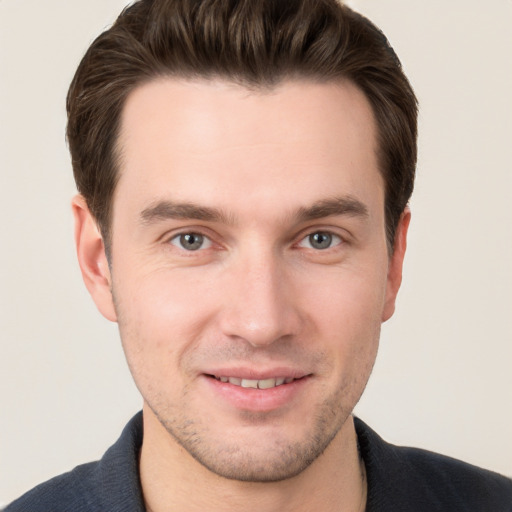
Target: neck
<point x="172" y="480"/>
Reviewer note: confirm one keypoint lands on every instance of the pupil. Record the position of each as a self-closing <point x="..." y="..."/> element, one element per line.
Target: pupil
<point x="191" y="241"/>
<point x="320" y="240"/>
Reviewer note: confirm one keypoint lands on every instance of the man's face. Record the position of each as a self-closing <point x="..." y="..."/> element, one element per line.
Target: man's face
<point x="249" y="266"/>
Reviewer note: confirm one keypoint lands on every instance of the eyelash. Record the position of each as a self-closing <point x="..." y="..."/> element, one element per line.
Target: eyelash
<point x="178" y="239"/>
<point x="333" y="239"/>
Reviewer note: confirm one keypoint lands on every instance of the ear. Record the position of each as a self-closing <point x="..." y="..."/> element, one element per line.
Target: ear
<point x="92" y="258"/>
<point x="396" y="261"/>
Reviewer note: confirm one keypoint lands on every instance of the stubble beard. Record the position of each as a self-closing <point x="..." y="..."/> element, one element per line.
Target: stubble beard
<point x="279" y="460"/>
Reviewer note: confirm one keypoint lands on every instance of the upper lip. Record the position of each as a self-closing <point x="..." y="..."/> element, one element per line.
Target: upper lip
<point x="258" y="374"/>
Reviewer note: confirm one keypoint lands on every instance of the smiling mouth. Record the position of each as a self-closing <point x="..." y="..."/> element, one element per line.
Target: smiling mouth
<point x="253" y="383"/>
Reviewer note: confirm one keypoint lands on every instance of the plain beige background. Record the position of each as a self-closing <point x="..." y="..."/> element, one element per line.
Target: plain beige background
<point x="443" y="378"/>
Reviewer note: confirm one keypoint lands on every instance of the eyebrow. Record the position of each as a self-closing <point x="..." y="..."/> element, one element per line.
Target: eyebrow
<point x="346" y="205"/>
<point x="165" y="209"/>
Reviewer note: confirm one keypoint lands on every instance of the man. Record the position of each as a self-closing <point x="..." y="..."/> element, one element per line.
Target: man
<point x="244" y="170"/>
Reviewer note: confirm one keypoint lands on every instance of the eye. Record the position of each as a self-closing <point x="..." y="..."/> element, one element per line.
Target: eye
<point x="320" y="240"/>
<point x="191" y="241"/>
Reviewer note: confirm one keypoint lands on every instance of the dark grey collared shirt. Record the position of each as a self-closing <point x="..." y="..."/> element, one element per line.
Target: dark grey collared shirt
<point x="110" y="485"/>
<point x="399" y="480"/>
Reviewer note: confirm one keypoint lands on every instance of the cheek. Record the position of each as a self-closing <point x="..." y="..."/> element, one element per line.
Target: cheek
<point x="161" y="313"/>
<point x="349" y="298"/>
<point x="347" y="312"/>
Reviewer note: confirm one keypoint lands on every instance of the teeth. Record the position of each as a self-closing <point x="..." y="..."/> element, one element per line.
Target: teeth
<point x="247" y="383"/>
<point x="257" y="384"/>
<point x="267" y="383"/>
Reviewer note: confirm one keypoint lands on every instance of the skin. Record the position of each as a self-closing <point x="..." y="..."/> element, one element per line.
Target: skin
<point x="257" y="174"/>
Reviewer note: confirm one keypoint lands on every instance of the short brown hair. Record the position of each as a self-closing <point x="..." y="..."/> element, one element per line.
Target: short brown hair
<point x="256" y="43"/>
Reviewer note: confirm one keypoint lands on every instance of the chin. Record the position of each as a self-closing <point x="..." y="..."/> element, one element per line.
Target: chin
<point x="257" y="452"/>
<point x="274" y="464"/>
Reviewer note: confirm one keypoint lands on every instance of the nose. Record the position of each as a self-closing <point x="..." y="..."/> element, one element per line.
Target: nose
<point x="259" y="305"/>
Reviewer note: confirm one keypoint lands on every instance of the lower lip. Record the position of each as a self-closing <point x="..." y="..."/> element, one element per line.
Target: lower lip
<point x="257" y="400"/>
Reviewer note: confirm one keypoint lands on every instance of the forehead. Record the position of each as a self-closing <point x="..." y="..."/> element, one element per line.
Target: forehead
<point x="210" y="110"/>
<point x="216" y="141"/>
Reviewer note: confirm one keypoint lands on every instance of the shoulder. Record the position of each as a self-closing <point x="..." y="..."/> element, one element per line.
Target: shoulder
<point x="415" y="479"/>
<point x="452" y="481"/>
<point x="71" y="491"/>
<point x="111" y="483"/>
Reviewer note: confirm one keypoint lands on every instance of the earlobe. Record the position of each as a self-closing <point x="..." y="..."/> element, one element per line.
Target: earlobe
<point x="396" y="260"/>
<point x="92" y="258"/>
